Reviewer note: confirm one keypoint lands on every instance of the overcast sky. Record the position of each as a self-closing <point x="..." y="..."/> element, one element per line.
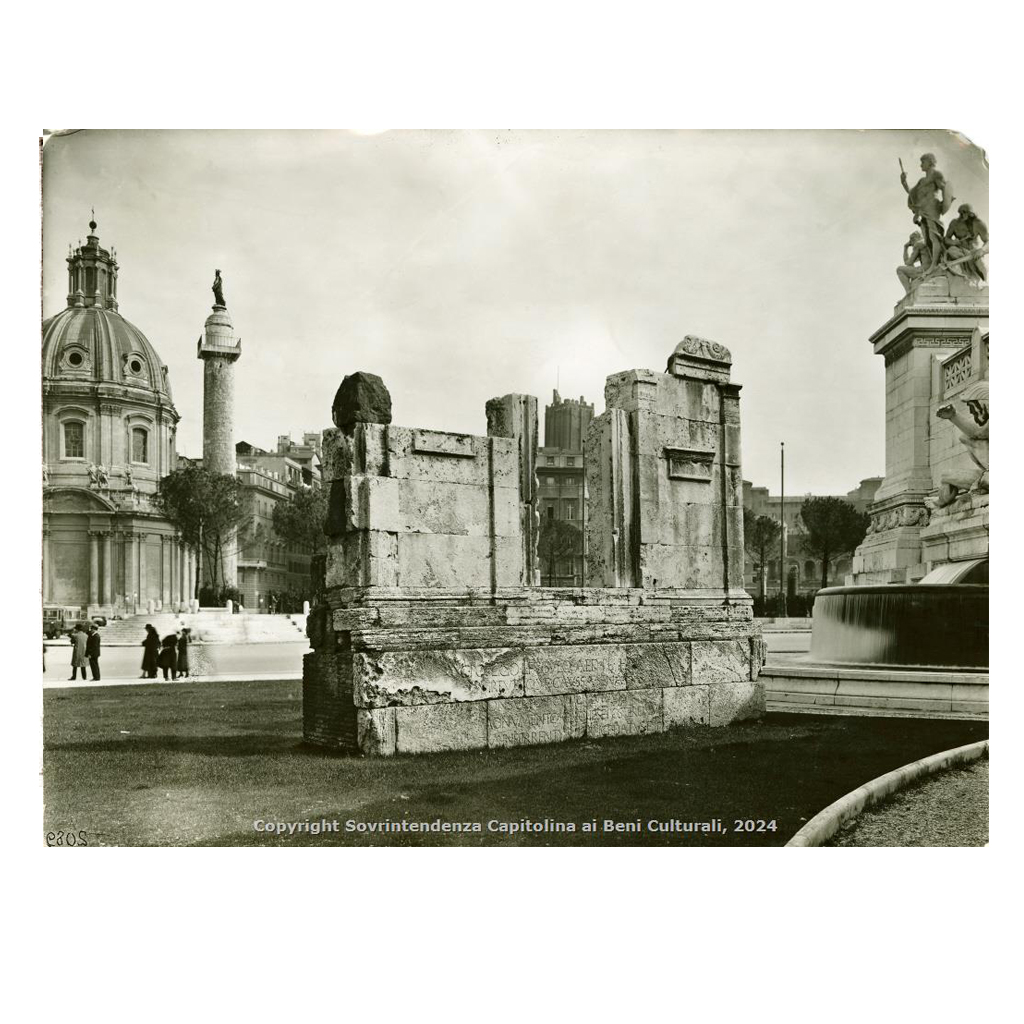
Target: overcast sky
<point x="467" y="264"/>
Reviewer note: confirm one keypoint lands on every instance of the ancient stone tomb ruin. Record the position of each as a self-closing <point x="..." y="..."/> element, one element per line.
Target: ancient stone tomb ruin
<point x="430" y="632"/>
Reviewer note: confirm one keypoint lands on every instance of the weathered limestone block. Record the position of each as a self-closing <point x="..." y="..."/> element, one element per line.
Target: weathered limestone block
<point x="363" y="558"/>
<point x="516" y="723"/>
<point x="721" y="661"/>
<point x="433" y="677"/>
<point x="700" y="357"/>
<point x="651" y="665"/>
<point x="687" y="705"/>
<point x="428" y="506"/>
<point x="431" y="727"/>
<point x="625" y="713"/>
<point x="361" y="398"/>
<point x="551" y="670"/>
<point x="454" y="562"/>
<point x="440" y="442"/>
<point x="375" y="729"/>
<point x="734" y="702"/>
<point x="575" y="715"/>
<point x="758" y="655"/>
<point x="364" y="503"/>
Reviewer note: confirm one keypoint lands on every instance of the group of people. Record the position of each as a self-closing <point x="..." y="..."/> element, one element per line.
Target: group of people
<point x="169" y="654"/>
<point x="85" y="650"/>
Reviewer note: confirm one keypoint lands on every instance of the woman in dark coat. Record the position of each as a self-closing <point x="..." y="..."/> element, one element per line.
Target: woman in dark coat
<point x="183" y="653"/>
<point x="168" y="660"/>
<point x="151" y="649"/>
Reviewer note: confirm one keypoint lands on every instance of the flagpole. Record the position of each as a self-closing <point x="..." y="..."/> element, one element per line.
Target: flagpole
<point x="782" y="541"/>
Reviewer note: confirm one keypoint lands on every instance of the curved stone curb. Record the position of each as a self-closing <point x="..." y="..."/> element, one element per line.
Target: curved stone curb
<point x="826" y="823"/>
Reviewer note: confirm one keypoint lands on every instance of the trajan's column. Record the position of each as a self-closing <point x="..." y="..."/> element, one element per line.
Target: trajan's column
<point x="218" y="349"/>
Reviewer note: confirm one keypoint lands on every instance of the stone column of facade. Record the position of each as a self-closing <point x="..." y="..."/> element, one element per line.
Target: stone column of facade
<point x="129" y="547"/>
<point x="515" y="416"/>
<point x="932" y="324"/>
<point x="46" y="566"/>
<point x="172" y="566"/>
<point x="94" y="569"/>
<point x="144" y="595"/>
<point x="165" y="570"/>
<point x="108" y="570"/>
<point x="219" y="351"/>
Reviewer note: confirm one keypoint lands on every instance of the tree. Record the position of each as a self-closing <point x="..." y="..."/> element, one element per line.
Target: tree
<point x="833" y="529"/>
<point x="299" y="522"/>
<point x="557" y="540"/>
<point x="204" y="508"/>
<point x="760" y="538"/>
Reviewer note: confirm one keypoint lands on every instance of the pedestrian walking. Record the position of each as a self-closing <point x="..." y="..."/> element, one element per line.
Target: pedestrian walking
<point x="151" y="651"/>
<point x="168" y="659"/>
<point x="78" y="645"/>
<point x="92" y="650"/>
<point x="183" y="652"/>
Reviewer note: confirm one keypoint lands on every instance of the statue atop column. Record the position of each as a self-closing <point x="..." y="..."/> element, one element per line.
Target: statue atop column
<point x="929" y="200"/>
<point x="917" y="261"/>
<point x="963" y="254"/>
<point x="218" y="290"/>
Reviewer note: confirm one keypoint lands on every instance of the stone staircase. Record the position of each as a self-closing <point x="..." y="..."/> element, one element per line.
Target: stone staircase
<point x="210" y="625"/>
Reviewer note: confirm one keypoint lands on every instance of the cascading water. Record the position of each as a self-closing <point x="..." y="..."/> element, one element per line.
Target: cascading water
<point x="902" y="626"/>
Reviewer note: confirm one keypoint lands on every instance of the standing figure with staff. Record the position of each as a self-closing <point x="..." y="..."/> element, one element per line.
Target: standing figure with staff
<point x="929" y="200"/>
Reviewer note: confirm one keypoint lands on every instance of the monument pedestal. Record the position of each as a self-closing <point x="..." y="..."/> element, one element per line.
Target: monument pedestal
<point x="957" y="533"/>
<point x="934" y="346"/>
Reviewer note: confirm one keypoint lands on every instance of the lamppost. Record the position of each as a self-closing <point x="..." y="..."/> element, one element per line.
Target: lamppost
<point x="782" y="532"/>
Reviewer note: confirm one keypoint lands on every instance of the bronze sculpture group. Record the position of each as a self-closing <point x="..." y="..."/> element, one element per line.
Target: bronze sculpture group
<point x="957" y="249"/>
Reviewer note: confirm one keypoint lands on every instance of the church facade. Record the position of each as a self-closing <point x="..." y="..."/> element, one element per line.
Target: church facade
<point x="109" y="426"/>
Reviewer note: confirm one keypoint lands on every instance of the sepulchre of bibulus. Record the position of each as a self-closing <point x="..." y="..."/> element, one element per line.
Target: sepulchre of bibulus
<point x="430" y="630"/>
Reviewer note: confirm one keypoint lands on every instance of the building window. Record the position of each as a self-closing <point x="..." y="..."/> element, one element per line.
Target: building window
<point x="551" y="481"/>
<point x="74" y="440"/>
<point x="551" y="460"/>
<point x="551" y="511"/>
<point x="140" y="445"/>
<point x="570" y="460"/>
<point x="570" y="510"/>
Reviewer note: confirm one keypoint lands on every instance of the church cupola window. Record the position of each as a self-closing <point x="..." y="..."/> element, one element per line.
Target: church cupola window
<point x="140" y="445"/>
<point x="74" y="439"/>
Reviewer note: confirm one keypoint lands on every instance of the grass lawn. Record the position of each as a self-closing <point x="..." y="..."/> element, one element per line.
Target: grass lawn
<point x="197" y="764"/>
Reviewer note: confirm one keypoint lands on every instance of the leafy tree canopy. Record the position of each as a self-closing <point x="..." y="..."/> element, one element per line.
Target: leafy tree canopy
<point x="760" y="535"/>
<point x="203" y="507"/>
<point x="299" y="522"/>
<point x="833" y="528"/>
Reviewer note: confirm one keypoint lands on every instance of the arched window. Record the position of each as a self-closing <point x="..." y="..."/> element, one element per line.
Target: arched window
<point x="74" y="439"/>
<point x="140" y="444"/>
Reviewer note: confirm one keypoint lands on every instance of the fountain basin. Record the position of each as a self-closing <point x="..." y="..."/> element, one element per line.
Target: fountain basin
<point x="911" y="626"/>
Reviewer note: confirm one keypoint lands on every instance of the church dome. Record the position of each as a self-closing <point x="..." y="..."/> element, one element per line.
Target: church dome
<point x="90" y="342"/>
<point x="98" y="346"/>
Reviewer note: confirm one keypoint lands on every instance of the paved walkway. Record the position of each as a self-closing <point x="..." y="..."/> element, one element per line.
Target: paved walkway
<point x="121" y="665"/>
<point x="950" y="809"/>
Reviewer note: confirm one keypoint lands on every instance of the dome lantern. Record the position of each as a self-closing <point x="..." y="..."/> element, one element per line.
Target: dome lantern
<point x="92" y="274"/>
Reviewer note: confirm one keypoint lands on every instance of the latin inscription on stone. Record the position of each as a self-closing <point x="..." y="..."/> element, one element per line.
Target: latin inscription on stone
<point x="516" y="723"/>
<point x="551" y="670"/>
<point x="625" y="713"/>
